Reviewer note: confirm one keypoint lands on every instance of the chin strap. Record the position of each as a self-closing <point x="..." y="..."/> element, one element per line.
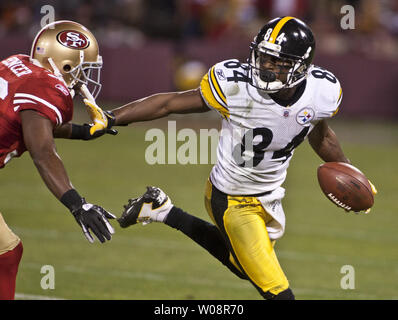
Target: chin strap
<point x="58" y="74"/>
<point x="56" y="70"/>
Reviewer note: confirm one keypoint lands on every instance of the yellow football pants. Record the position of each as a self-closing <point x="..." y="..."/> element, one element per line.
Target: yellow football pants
<point x="242" y="221"/>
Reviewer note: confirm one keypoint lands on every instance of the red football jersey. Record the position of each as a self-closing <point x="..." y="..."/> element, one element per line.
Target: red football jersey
<point x="24" y="85"/>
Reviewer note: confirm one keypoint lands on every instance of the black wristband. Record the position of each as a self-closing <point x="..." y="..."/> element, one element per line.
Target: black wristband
<point x="78" y="132"/>
<point x="72" y="200"/>
<point x="111" y="119"/>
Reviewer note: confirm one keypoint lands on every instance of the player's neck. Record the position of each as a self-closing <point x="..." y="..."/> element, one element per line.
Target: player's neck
<point x="289" y="96"/>
<point x="284" y="94"/>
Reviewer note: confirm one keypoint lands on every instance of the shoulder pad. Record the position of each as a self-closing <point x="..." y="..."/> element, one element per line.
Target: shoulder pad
<point x="218" y="84"/>
<point x="327" y="92"/>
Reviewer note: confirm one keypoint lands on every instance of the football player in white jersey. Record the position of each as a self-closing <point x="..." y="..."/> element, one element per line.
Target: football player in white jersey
<point x="268" y="105"/>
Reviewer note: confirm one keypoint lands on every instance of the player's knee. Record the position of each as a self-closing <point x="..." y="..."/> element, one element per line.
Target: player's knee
<point x="8" y="239"/>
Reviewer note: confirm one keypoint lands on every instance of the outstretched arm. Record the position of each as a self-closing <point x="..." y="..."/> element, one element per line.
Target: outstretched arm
<point x="149" y="108"/>
<point x="160" y="105"/>
<point x="324" y="141"/>
<point x="38" y="137"/>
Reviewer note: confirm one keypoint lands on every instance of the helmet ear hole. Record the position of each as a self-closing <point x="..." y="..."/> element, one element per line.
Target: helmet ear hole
<point x="67" y="68"/>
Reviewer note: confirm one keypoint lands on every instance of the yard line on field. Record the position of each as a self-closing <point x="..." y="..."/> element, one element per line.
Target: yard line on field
<point x="26" y="296"/>
<point x="76" y="236"/>
<point x="330" y="258"/>
<point x="144" y="275"/>
<point x="341" y="233"/>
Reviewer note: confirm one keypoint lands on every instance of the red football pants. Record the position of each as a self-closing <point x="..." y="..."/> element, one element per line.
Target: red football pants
<point x="9" y="263"/>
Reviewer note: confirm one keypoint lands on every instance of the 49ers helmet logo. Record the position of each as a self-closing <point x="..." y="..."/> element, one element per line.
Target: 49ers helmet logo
<point x="73" y="39"/>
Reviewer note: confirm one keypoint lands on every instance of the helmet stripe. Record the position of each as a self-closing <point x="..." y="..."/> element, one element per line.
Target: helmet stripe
<point x="278" y="28"/>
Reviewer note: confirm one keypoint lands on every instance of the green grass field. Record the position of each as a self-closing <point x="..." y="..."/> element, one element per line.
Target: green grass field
<point x="157" y="262"/>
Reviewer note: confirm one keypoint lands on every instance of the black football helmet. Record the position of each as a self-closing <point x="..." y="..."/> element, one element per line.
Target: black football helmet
<point x="286" y="42"/>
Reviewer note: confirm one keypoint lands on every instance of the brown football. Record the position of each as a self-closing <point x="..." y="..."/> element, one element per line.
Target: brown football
<point x="345" y="186"/>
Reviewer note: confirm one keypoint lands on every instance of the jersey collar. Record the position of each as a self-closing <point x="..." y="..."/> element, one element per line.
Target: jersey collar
<point x="296" y="96"/>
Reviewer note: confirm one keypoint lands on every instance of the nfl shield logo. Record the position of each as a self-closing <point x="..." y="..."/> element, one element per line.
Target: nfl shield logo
<point x="286" y="114"/>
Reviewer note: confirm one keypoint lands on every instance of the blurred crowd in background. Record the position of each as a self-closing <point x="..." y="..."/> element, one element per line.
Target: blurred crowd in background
<point x="170" y="44"/>
<point x="133" y="22"/>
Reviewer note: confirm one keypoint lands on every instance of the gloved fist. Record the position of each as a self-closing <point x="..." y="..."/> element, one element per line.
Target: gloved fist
<point x="94" y="218"/>
<point x="84" y="132"/>
<point x="102" y="120"/>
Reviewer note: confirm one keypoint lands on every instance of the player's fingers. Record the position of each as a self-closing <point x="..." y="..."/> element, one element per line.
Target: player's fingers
<point x="98" y="126"/>
<point x="104" y="227"/>
<point x="87" y="234"/>
<point x="374" y="190"/>
<point x="96" y="115"/>
<point x="112" y="131"/>
<point x="100" y="232"/>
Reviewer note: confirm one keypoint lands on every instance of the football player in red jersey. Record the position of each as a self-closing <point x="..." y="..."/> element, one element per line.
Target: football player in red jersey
<point x="36" y="106"/>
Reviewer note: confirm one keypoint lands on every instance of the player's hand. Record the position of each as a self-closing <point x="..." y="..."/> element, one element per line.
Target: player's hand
<point x="94" y="218"/>
<point x="102" y="120"/>
<point x="374" y="191"/>
<point x="82" y="132"/>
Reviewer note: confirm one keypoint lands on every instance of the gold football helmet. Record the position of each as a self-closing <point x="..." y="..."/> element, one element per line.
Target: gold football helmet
<point x="70" y="51"/>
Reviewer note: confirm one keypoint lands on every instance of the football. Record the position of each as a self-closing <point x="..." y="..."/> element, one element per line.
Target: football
<point x="346" y="186"/>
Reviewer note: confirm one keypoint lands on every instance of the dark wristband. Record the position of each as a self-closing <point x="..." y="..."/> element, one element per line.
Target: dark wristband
<point x="111" y="119"/>
<point x="78" y="132"/>
<point x="72" y="200"/>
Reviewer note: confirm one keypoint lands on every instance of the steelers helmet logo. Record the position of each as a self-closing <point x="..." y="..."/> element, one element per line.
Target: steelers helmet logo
<point x="73" y="39"/>
<point x="305" y="115"/>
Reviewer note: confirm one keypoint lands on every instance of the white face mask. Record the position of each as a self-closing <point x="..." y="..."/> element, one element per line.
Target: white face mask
<point x="88" y="73"/>
<point x="274" y="84"/>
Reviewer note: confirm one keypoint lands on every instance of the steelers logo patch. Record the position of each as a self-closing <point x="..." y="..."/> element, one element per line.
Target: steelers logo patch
<point x="305" y="115"/>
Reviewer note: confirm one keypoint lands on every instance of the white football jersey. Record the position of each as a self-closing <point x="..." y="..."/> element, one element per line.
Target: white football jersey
<point x="259" y="135"/>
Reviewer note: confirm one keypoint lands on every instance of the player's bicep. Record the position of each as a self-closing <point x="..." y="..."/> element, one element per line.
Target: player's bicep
<point x="325" y="143"/>
<point x="37" y="133"/>
<point x="317" y="135"/>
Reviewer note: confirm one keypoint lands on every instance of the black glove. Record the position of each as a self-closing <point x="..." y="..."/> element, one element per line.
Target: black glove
<point x="89" y="216"/>
<point x="82" y="132"/>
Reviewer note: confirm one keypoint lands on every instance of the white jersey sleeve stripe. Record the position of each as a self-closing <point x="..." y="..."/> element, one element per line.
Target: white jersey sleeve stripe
<point x="17" y="101"/>
<point x="42" y="101"/>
